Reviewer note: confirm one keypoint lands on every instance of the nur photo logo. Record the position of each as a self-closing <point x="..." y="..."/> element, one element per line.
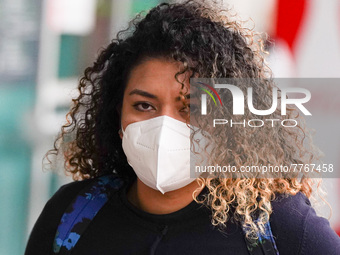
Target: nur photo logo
<point x="280" y="99"/>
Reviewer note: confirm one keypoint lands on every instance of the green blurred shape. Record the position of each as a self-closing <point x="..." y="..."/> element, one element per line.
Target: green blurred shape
<point x="140" y="5"/>
<point x="15" y="159"/>
<point x="69" y="56"/>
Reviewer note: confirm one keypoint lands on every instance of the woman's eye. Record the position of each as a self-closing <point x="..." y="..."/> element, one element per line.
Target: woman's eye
<point x="143" y="107"/>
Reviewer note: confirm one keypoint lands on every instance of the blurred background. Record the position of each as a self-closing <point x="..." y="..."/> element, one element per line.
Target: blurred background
<point x="45" y="46"/>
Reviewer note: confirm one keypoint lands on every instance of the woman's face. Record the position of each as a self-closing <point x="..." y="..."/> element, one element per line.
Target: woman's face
<point x="153" y="91"/>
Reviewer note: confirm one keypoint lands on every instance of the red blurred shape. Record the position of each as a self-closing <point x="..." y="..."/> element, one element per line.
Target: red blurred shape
<point x="290" y="14"/>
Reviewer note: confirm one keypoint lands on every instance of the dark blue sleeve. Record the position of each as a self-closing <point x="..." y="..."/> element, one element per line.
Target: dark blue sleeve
<point x="298" y="230"/>
<point x="318" y="236"/>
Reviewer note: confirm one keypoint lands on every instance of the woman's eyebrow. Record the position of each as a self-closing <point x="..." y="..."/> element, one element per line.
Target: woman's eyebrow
<point x="187" y="96"/>
<point x="142" y="93"/>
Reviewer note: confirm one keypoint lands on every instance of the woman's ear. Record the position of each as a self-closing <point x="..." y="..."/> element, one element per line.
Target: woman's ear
<point x="120" y="132"/>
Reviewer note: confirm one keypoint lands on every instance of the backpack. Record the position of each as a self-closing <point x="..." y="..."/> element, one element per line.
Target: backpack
<point x="93" y="197"/>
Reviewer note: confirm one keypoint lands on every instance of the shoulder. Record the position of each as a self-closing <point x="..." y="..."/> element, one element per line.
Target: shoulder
<point x="297" y="227"/>
<point x="66" y="193"/>
<point x="291" y="205"/>
<point x="57" y="204"/>
<point x="44" y="230"/>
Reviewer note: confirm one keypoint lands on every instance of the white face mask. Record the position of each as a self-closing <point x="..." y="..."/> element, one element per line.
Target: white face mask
<point x="158" y="150"/>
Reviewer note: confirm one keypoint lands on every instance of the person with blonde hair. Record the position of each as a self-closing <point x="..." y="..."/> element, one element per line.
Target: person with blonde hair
<point x="126" y="143"/>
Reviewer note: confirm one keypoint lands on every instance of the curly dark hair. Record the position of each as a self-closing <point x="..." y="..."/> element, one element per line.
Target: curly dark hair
<point x="209" y="43"/>
<point x="184" y="32"/>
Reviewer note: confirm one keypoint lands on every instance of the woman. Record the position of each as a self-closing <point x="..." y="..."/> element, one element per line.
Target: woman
<point x="134" y="97"/>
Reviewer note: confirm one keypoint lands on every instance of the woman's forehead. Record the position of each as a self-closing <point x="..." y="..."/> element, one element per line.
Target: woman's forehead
<point x="158" y="67"/>
<point x="157" y="75"/>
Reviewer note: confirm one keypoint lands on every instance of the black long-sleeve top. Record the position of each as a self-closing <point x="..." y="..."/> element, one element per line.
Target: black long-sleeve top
<point x="121" y="228"/>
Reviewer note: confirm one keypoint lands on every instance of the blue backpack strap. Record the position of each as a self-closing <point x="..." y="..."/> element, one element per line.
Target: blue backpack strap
<point x="81" y="212"/>
<point x="265" y="244"/>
